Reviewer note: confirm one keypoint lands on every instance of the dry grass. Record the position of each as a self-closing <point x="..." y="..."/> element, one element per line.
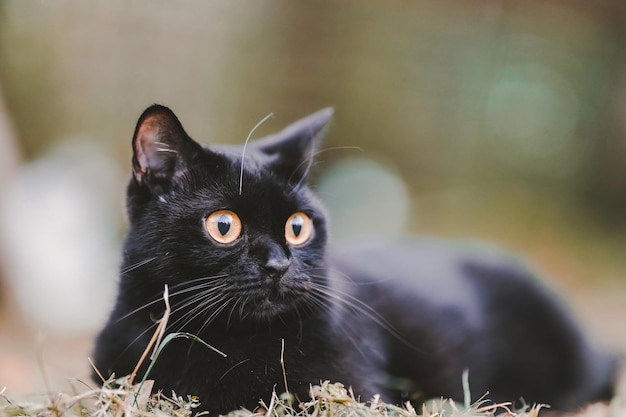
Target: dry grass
<point x="123" y="397"/>
<point x="117" y="398"/>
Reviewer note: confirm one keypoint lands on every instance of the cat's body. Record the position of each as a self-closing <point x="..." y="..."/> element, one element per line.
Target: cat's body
<point x="476" y="309"/>
<point x="241" y="245"/>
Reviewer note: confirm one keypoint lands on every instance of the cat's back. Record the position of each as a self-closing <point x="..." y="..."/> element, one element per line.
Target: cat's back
<point x="447" y="275"/>
<point x="457" y="307"/>
<point x="472" y="278"/>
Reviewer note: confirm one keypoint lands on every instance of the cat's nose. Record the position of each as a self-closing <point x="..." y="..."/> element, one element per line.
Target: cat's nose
<point x="272" y="257"/>
<point x="277" y="262"/>
<point x="276" y="266"/>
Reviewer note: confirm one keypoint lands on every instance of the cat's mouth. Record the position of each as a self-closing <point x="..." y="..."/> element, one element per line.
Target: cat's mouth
<point x="268" y="308"/>
<point x="268" y="299"/>
<point x="273" y="302"/>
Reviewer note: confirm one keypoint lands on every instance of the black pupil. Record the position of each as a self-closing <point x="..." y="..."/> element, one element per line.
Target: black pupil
<point x="224" y="223"/>
<point x="296" y="225"/>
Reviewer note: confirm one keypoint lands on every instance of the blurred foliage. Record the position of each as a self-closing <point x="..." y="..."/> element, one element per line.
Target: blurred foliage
<point x="506" y="118"/>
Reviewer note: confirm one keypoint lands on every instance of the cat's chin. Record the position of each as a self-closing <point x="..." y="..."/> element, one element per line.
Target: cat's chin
<point x="267" y="310"/>
<point x="273" y="301"/>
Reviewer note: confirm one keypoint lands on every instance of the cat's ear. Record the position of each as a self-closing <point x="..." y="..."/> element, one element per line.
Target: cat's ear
<point x="162" y="150"/>
<point x="291" y="151"/>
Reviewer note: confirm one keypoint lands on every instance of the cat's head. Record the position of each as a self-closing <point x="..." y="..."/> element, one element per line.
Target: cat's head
<point x="233" y="231"/>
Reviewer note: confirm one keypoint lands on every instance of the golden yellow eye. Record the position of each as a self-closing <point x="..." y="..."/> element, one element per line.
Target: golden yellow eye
<point x="224" y="226"/>
<point x="298" y="229"/>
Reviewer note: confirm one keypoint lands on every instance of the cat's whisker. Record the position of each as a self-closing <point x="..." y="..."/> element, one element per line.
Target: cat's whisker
<point x="357" y="305"/>
<point x="232" y="310"/>
<point x="137" y="339"/>
<point x="316" y="302"/>
<point x="210" y="319"/>
<point x="245" y="145"/>
<point x="354" y="303"/>
<point x="311" y="160"/>
<point x="339" y="148"/>
<point x="215" y="313"/>
<point x="242" y="309"/>
<point x="138" y="265"/>
<point x="350" y="332"/>
<point x="165" y="150"/>
<point x="320" y="303"/>
<point x="203" y="304"/>
<point x="200" y="300"/>
<point x="202" y="308"/>
<point x="208" y="281"/>
<point x="300" y="325"/>
<point x="309" y="163"/>
<point x="173" y="294"/>
<point x="176" y="307"/>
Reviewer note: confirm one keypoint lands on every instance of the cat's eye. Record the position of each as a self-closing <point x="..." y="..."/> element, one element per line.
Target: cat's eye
<point x="298" y="229"/>
<point x="224" y="226"/>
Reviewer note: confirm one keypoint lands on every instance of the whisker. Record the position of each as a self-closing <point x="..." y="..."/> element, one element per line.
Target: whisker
<point x="203" y="306"/>
<point x="203" y="296"/>
<point x="352" y="333"/>
<point x="340" y="148"/>
<point x="174" y="294"/>
<point x="242" y="309"/>
<point x="309" y="162"/>
<point x="245" y="145"/>
<point x="136" y="339"/>
<point x="231" y="368"/>
<point x="232" y="310"/>
<point x="359" y="306"/>
<point x="176" y="308"/>
<point x="300" y="325"/>
<point x="191" y="281"/>
<point x="215" y="313"/>
<point x="165" y="150"/>
<point x="138" y="265"/>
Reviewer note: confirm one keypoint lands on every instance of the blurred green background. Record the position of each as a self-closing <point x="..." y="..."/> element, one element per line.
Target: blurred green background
<point x="506" y="120"/>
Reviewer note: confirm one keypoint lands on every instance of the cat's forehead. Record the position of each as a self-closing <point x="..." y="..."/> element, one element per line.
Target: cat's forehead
<point x="243" y="157"/>
<point x="246" y="178"/>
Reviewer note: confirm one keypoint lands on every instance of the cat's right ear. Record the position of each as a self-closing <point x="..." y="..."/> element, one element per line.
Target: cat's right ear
<point x="291" y="151"/>
<point x="162" y="150"/>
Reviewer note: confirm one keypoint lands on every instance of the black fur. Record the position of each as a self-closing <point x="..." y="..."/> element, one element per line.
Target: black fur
<point x="402" y="318"/>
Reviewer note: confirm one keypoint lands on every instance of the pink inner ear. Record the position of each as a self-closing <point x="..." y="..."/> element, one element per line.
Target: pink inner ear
<point x="147" y="136"/>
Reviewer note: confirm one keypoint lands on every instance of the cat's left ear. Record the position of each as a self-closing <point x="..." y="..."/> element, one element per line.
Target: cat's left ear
<point x="162" y="150"/>
<point x="291" y="151"/>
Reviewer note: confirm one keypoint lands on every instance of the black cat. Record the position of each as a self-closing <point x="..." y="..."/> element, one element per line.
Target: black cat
<point x="241" y="242"/>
